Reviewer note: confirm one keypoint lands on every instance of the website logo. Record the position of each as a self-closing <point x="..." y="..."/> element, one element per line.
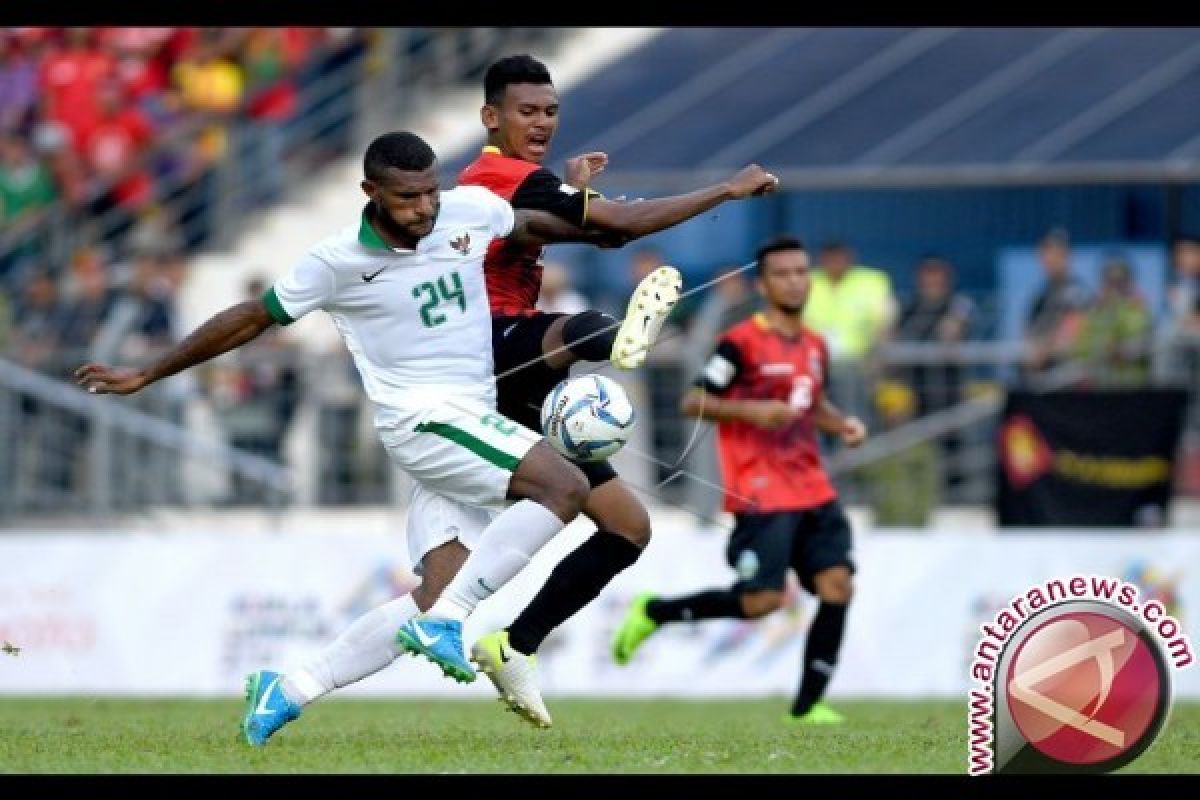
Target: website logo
<point x="1072" y="677"/>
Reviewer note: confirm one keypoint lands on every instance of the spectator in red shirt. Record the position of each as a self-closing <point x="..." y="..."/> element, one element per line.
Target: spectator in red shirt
<point x="69" y="78"/>
<point x="113" y="145"/>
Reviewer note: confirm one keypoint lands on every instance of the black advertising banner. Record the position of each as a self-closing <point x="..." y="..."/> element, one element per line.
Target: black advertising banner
<point x="1101" y="458"/>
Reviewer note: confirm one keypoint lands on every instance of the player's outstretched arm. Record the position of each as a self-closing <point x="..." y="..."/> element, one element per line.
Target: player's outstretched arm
<point x="769" y="414"/>
<point x="541" y="227"/>
<point x="650" y="216"/>
<point x="226" y="331"/>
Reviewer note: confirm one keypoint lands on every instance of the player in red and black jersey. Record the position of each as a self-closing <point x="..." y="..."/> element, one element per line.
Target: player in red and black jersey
<point x="765" y="388"/>
<point x="533" y="350"/>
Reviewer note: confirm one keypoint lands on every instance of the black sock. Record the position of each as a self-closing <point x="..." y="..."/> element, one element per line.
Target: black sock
<point x="701" y="605"/>
<point x="584" y="337"/>
<point x="820" y="655"/>
<point x="576" y="581"/>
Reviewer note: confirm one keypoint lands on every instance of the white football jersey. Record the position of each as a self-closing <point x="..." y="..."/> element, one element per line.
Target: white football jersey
<point x="414" y="320"/>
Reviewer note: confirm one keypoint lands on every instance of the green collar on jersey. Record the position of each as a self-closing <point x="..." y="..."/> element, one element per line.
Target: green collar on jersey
<point x="367" y="235"/>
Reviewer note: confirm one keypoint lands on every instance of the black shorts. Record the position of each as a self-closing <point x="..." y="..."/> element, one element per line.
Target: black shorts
<point x="517" y="349"/>
<point x="763" y="546"/>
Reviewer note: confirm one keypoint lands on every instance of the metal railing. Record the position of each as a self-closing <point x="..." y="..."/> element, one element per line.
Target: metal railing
<point x="68" y="452"/>
<point x="73" y="452"/>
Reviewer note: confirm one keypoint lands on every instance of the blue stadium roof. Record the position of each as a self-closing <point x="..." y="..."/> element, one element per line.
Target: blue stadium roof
<point x="846" y="106"/>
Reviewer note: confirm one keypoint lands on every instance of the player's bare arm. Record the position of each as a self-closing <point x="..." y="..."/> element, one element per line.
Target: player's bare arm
<point x="226" y="331"/>
<point x="769" y="414"/>
<point x="540" y="227"/>
<point x="649" y="216"/>
<point x="829" y="419"/>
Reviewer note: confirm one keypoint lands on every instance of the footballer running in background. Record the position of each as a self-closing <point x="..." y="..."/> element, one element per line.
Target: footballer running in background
<point x="764" y="387"/>
<point x="534" y="350"/>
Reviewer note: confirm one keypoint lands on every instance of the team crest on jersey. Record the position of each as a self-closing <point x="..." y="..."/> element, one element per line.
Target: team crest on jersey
<point x="462" y="243"/>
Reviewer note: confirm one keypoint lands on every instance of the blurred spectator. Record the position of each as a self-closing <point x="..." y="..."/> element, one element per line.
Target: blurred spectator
<point x="141" y="323"/>
<point x="1057" y="312"/>
<point x="38" y="322"/>
<point x="6" y="324"/>
<point x="270" y="70"/>
<point x="141" y="64"/>
<point x="905" y="485"/>
<point x="936" y="315"/>
<point x="1114" y="337"/>
<point x="853" y="307"/>
<point x="730" y="299"/>
<point x="112" y="145"/>
<point x="18" y="85"/>
<point x="256" y="396"/>
<point x="210" y="82"/>
<point x="645" y="260"/>
<point x="25" y="185"/>
<point x="557" y="296"/>
<point x="70" y="75"/>
<point x="88" y="310"/>
<point x="155" y="232"/>
<point x="1183" y="297"/>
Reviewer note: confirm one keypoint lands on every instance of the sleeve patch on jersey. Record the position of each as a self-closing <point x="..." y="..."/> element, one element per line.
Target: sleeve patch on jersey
<point x="567" y="188"/>
<point x="719" y="371"/>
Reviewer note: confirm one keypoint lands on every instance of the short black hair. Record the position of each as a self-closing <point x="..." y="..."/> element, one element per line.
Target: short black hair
<point x="396" y="150"/>
<point x="779" y="244"/>
<point x="521" y="68"/>
<point x="835" y="246"/>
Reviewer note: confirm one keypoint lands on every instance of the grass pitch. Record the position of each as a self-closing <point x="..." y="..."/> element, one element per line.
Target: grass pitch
<point x="83" y="735"/>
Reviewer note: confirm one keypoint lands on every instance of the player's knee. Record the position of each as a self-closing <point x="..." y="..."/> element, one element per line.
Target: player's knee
<point x="633" y="525"/>
<point x="568" y="489"/>
<point x="761" y="602"/>
<point x="590" y="335"/>
<point x="639" y="533"/>
<point x="836" y="588"/>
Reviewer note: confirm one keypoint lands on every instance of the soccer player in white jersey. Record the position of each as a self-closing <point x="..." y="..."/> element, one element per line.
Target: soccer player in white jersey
<point x="405" y="288"/>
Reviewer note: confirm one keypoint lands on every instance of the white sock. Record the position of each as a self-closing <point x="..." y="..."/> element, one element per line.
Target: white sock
<point x="505" y="546"/>
<point x="364" y="648"/>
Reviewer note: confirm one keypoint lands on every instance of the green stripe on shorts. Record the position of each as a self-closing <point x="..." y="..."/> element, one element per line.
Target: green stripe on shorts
<point x="477" y="446"/>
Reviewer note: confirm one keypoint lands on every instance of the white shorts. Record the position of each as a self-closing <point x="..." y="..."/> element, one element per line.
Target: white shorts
<point x="458" y="447"/>
<point x="434" y="520"/>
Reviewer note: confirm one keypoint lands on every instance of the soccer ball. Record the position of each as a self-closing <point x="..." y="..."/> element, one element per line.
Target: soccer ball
<point x="587" y="418"/>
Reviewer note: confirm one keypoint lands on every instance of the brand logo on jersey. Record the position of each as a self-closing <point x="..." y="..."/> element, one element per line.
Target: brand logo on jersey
<point x="462" y="244"/>
<point x="778" y="369"/>
<point x="368" y="278"/>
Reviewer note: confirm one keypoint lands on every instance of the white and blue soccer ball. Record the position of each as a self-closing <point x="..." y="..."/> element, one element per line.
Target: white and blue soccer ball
<point x="588" y="418"/>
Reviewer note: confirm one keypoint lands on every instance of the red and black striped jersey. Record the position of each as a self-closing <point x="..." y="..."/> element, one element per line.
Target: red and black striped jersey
<point x="512" y="271"/>
<point x="770" y="470"/>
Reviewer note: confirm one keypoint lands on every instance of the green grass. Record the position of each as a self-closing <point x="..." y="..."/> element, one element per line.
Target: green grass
<point x="621" y="736"/>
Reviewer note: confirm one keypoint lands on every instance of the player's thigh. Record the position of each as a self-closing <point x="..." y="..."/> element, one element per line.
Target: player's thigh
<point x="462" y="449"/>
<point x="616" y="509"/>
<point x="823" y="543"/>
<point x="523" y="376"/>
<point x="435" y="520"/>
<point x="760" y="548"/>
